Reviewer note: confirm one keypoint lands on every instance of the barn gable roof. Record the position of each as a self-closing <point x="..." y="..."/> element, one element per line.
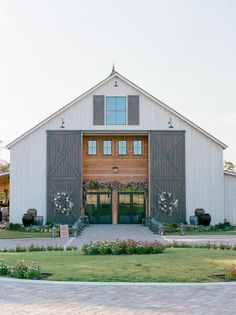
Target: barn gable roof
<point x="110" y="77"/>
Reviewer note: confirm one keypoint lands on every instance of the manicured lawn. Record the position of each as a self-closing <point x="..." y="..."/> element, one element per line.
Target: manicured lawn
<point x="5" y="234"/>
<point x="174" y="265"/>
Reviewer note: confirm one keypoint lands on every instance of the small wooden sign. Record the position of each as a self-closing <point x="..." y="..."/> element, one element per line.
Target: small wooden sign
<point x="64" y="230"/>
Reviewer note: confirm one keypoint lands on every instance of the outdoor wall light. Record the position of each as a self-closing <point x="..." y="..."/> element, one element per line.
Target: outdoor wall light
<point x="170" y="123"/>
<point x="62" y="123"/>
<point x="115" y="169"/>
<point x="116" y="85"/>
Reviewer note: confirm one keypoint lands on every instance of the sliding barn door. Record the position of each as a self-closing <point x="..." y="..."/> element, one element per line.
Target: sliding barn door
<point x="64" y="163"/>
<point x="167" y="172"/>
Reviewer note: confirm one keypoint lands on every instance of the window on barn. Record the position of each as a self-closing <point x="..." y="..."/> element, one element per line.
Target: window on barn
<point x="92" y="147"/>
<point x="122" y="147"/>
<point x="107" y="147"/>
<point x="116" y="110"/>
<point x="137" y="147"/>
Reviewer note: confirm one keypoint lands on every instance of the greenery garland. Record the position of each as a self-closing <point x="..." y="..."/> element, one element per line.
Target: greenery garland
<point x="63" y="203"/>
<point x="116" y="185"/>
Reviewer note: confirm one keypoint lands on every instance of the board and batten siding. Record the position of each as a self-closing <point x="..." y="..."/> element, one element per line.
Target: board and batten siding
<point x="204" y="157"/>
<point x="230" y="197"/>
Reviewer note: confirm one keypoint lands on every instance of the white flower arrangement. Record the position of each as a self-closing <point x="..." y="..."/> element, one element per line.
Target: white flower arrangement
<point x="167" y="203"/>
<point x="62" y="203"/>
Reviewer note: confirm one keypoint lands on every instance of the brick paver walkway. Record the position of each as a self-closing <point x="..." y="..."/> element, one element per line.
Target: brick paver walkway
<point x="44" y="298"/>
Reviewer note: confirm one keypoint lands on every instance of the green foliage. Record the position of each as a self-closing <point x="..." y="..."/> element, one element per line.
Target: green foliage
<point x="115" y="185"/>
<point x="15" y="227"/>
<point x="3" y="196"/>
<point x="4" y="269"/>
<point x="175" y="228"/>
<point x="229" y="166"/>
<point x="123" y="247"/>
<point x="172" y="228"/>
<point x="20" y="270"/>
<point x="57" y="248"/>
<point x="29" y="229"/>
<point x="230" y="271"/>
<point x="36" y="248"/>
<point x="19" y="249"/>
<point x="207" y="245"/>
<point x="225" y="226"/>
<point x="4" y="167"/>
<point x="72" y="247"/>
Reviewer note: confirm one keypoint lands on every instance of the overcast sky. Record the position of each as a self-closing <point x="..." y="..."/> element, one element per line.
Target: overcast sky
<point x="183" y="52"/>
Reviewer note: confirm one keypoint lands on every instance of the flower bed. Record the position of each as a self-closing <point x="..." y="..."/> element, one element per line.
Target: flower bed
<point x="175" y="228"/>
<point x="20" y="270"/>
<point x="123" y="247"/>
<point x="230" y="272"/>
<point x="207" y="245"/>
<point x="38" y="248"/>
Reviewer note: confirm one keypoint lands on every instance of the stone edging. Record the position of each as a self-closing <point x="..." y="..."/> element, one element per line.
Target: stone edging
<point x="78" y="283"/>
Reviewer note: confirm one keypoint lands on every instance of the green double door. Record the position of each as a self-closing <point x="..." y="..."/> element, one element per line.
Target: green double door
<point x="99" y="207"/>
<point x="131" y="207"/>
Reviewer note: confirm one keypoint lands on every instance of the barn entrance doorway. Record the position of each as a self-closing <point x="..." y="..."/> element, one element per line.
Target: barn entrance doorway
<point x="131" y="207"/>
<point x="99" y="207"/>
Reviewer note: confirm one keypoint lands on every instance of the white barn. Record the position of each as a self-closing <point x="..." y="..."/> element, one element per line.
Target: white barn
<point x="118" y="126"/>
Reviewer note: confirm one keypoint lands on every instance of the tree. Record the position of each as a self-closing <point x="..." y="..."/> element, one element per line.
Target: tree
<point x="229" y="166"/>
<point x="4" y="166"/>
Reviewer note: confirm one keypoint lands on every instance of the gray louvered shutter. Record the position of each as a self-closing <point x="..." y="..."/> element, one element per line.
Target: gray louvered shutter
<point x="133" y="110"/>
<point x="98" y="109"/>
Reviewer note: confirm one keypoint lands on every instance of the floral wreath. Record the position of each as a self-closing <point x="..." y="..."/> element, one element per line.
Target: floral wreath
<point x="63" y="203"/>
<point x="167" y="203"/>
